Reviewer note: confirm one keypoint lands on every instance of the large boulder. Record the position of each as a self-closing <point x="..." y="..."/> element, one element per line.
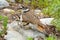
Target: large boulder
<point x="46" y="21"/>
<point x="13" y="35"/>
<point x="3" y="3"/>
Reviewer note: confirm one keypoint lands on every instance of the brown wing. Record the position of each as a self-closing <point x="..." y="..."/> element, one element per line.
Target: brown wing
<point x="30" y="17"/>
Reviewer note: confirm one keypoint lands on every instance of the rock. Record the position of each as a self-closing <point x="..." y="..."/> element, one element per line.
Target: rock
<point x="14" y="30"/>
<point x="33" y="26"/>
<point x="37" y="11"/>
<point x="6" y="10"/>
<point x="20" y="6"/>
<point x="3" y="3"/>
<point x="13" y="26"/>
<point x="10" y="14"/>
<point x="35" y="38"/>
<point x="31" y="33"/>
<point x="13" y="35"/>
<point x="46" y="21"/>
<point x="16" y="6"/>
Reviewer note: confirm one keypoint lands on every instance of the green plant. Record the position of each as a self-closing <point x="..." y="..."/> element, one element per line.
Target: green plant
<point x="5" y="21"/>
<point x="53" y="10"/>
<point x="52" y="37"/>
<point x="40" y="3"/>
<point x="29" y="38"/>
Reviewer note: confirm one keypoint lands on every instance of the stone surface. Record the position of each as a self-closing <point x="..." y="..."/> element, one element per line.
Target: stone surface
<point x="3" y="3"/>
<point x="13" y="35"/>
<point x="31" y="33"/>
<point x="15" y="30"/>
<point x="13" y="26"/>
<point x="6" y="10"/>
<point x="46" y="21"/>
<point x="32" y="26"/>
<point x="37" y="11"/>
